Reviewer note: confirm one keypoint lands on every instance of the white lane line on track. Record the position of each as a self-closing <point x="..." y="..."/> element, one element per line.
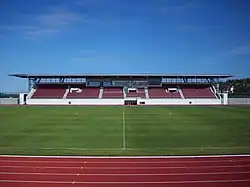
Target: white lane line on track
<point x="125" y="182"/>
<point x="118" y="157"/>
<point x="126" y="162"/>
<point x="126" y="168"/>
<point x="124" y="174"/>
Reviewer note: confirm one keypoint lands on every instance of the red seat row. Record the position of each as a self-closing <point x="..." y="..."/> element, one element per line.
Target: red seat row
<point x="58" y="91"/>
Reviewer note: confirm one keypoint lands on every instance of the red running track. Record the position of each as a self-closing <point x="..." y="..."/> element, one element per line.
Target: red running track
<point x="224" y="171"/>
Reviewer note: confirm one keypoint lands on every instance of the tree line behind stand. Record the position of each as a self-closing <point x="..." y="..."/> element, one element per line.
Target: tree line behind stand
<point x="9" y="95"/>
<point x="236" y="87"/>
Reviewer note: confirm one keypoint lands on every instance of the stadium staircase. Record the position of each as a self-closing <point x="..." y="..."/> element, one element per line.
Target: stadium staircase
<point x="124" y="92"/>
<point x="66" y="93"/>
<point x="213" y="90"/>
<point x="146" y="93"/>
<point x="100" y="93"/>
<point x="30" y="94"/>
<point x="180" y="91"/>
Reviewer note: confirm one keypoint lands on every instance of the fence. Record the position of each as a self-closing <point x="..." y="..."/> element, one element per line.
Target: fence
<point x="8" y="101"/>
<point x="239" y="101"/>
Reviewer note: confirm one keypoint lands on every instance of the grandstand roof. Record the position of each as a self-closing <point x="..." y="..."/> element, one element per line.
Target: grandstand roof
<point x="122" y="75"/>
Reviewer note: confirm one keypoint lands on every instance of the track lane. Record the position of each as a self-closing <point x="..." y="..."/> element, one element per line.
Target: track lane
<point x="34" y="169"/>
<point x="126" y="164"/>
<point x="179" y="184"/>
<point x="124" y="178"/>
<point x="110" y="172"/>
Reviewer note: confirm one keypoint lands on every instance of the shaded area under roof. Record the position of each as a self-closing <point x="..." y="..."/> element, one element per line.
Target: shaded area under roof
<point x="122" y="75"/>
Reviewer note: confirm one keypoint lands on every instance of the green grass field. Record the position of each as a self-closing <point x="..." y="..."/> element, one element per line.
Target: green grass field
<point x="72" y="130"/>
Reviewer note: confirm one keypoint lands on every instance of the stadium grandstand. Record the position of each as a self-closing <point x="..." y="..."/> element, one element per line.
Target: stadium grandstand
<point x="123" y="89"/>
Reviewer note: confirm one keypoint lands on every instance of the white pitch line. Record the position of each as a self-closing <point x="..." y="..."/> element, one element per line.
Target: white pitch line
<point x="127" y="168"/>
<point x="125" y="182"/>
<point x="125" y="174"/>
<point x="125" y="162"/>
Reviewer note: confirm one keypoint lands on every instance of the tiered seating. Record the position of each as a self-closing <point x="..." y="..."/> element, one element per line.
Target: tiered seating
<point x="84" y="92"/>
<point x="57" y="91"/>
<point x="49" y="91"/>
<point x="161" y="93"/>
<point x="140" y="93"/>
<point x="197" y="91"/>
<point x="112" y="92"/>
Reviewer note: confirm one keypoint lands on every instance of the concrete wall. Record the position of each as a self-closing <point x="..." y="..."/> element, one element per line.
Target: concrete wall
<point x="238" y="101"/>
<point x="121" y="101"/>
<point x="75" y="101"/>
<point x="8" y="101"/>
<point x="22" y="98"/>
<point x="181" y="101"/>
<point x="47" y="102"/>
<point x="96" y="101"/>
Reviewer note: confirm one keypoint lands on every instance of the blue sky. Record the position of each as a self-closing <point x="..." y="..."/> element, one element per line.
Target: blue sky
<point x="123" y="36"/>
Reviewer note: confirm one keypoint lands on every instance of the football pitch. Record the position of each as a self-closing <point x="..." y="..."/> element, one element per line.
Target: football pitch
<point x="121" y="130"/>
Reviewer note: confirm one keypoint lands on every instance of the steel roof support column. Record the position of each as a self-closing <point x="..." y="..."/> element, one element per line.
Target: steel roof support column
<point x="31" y="83"/>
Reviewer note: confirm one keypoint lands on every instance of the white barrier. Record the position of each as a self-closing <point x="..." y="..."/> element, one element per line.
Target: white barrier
<point x="121" y="101"/>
